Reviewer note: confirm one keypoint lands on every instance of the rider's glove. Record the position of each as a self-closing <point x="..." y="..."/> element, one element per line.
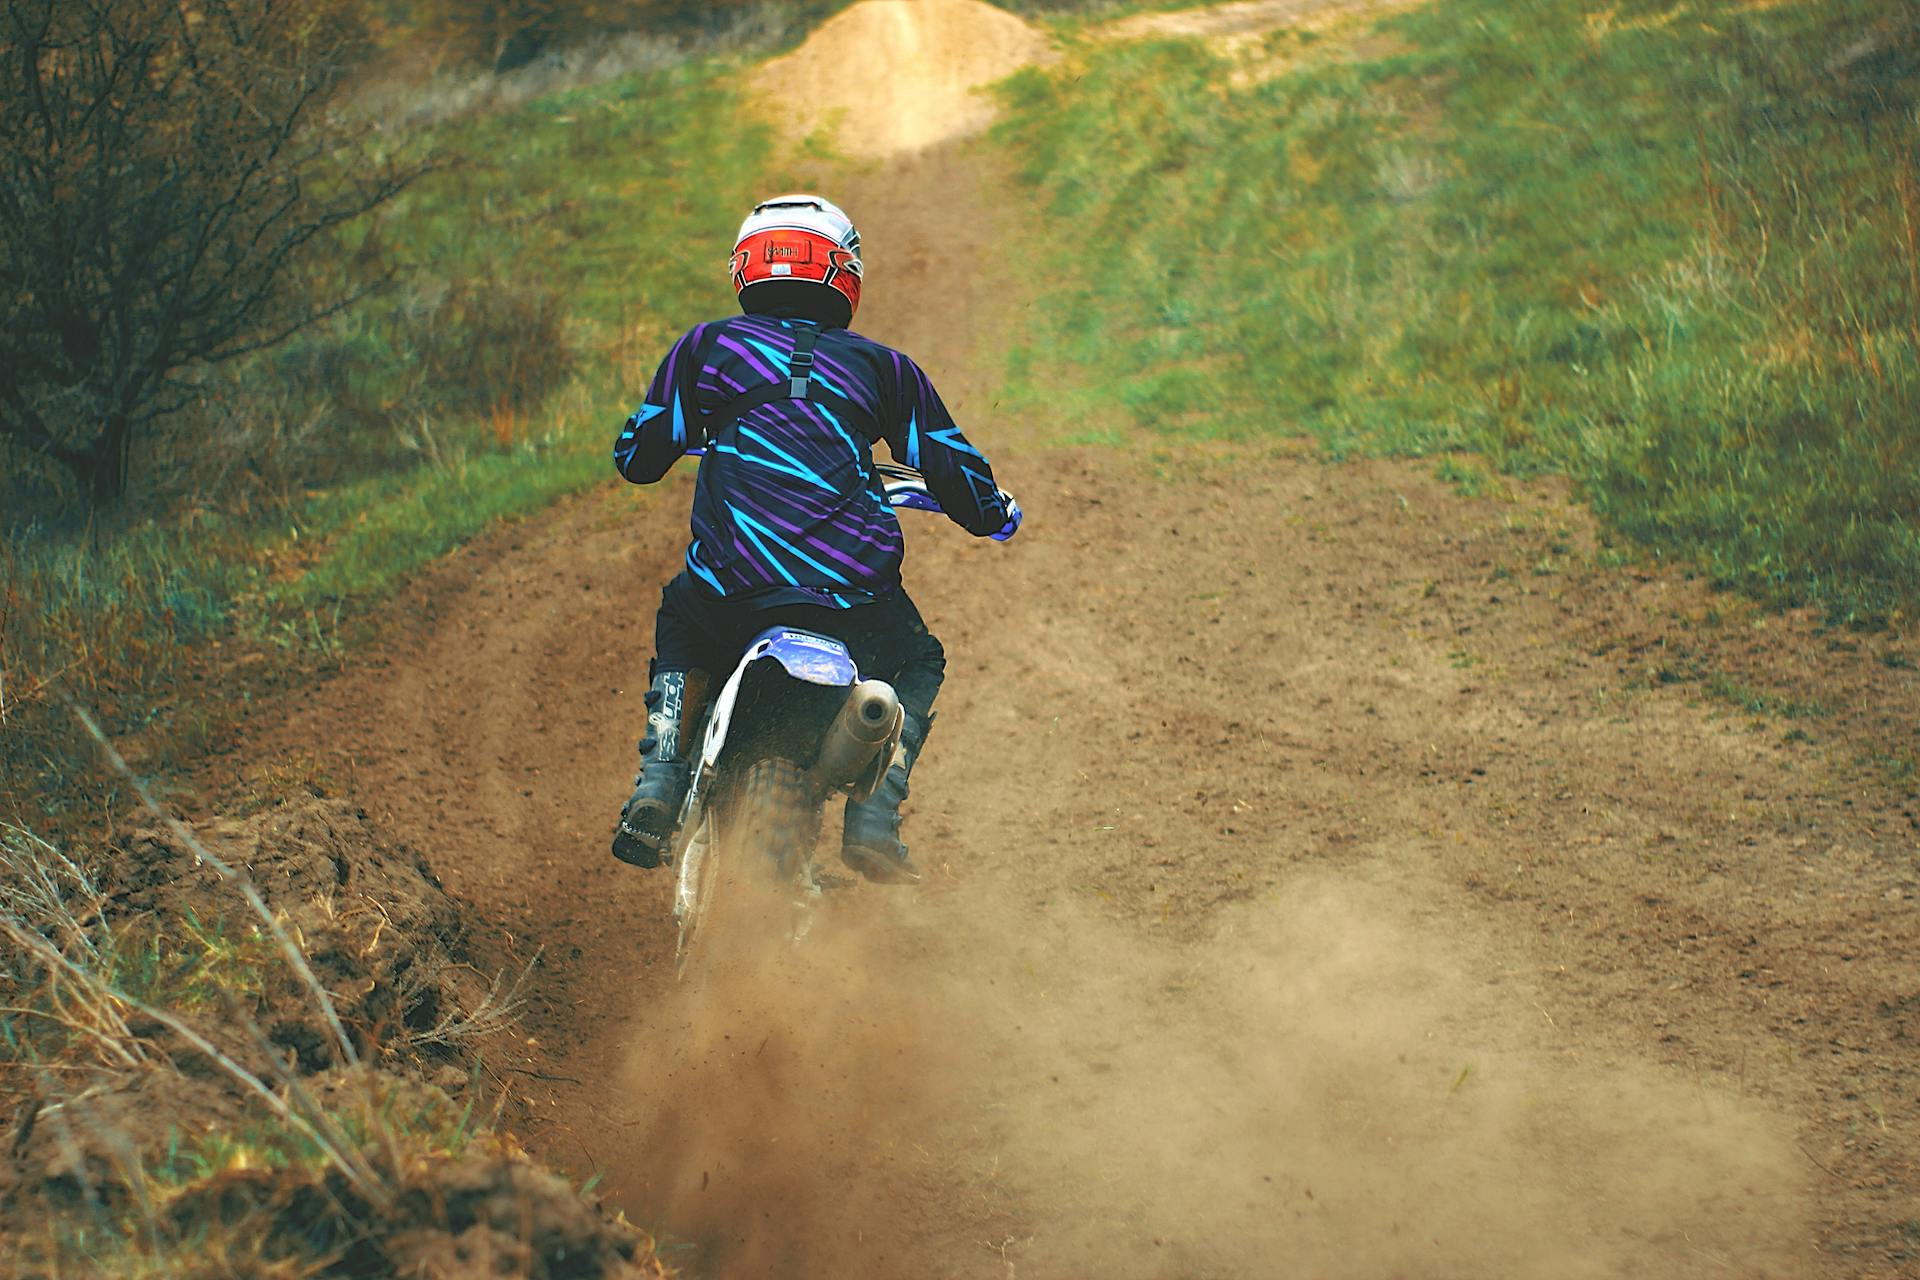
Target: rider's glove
<point x="1012" y="526"/>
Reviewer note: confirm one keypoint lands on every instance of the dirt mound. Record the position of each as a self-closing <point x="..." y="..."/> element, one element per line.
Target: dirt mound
<point x="488" y="1211"/>
<point x="485" y="1215"/>
<point x="189" y="1098"/>
<point x="894" y="76"/>
<point x="379" y="930"/>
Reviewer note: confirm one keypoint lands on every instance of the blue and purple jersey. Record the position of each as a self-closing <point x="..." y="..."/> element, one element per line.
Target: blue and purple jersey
<point x="788" y="508"/>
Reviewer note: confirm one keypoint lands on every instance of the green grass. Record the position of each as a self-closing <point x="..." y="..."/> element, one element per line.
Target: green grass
<point x="148" y="1040"/>
<point x="1661" y="248"/>
<point x="589" y="199"/>
<point x="598" y="193"/>
<point x="1726" y="689"/>
<point x="543" y="274"/>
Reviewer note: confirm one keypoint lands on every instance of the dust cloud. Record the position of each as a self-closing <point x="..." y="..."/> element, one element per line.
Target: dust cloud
<point x="950" y="1084"/>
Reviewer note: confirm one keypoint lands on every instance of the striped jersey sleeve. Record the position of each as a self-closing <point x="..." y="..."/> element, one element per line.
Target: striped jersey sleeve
<point x="665" y="426"/>
<point x="923" y="435"/>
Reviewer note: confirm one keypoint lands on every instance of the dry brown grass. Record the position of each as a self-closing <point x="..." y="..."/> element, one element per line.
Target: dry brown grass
<point x="190" y="1096"/>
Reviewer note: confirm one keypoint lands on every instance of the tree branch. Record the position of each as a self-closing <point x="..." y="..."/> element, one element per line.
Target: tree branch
<point x="163" y="178"/>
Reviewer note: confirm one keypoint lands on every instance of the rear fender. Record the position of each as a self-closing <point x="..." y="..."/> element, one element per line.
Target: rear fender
<point x="806" y="656"/>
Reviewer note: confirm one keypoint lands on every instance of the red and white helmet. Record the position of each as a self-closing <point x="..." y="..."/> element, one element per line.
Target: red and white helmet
<point x="798" y="239"/>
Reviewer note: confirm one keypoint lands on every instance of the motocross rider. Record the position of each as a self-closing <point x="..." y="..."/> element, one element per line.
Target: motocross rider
<point x="791" y="526"/>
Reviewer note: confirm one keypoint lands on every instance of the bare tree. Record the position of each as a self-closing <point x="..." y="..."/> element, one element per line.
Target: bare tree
<point x="168" y="174"/>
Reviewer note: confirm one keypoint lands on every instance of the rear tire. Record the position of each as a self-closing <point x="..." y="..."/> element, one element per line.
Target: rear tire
<point x="758" y="864"/>
<point x="771" y="820"/>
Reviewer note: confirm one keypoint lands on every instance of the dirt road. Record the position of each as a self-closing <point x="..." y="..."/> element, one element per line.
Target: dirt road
<point x="1331" y="875"/>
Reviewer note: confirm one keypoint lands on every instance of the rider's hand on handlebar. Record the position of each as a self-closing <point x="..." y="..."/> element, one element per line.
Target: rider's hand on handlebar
<point x="1012" y="526"/>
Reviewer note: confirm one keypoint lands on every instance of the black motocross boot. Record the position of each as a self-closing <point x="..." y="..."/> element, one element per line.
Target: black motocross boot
<point x="674" y="706"/>
<point x="871" y="842"/>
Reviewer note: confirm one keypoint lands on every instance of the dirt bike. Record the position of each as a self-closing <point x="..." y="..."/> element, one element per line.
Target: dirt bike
<point x="794" y="725"/>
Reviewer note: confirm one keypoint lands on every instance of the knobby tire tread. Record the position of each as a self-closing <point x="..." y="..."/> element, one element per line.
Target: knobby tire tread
<point x="766" y="821"/>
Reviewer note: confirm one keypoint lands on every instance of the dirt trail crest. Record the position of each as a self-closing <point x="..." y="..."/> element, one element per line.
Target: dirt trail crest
<point x="1303" y="901"/>
<point x="891" y="77"/>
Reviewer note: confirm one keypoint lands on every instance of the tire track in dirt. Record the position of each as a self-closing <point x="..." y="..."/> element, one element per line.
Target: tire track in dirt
<point x="1315" y="891"/>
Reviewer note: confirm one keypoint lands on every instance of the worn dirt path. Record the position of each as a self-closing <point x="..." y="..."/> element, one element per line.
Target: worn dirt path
<point x="1332" y="876"/>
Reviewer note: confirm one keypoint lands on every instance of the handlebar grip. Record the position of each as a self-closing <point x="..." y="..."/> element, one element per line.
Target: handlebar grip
<point x="1012" y="526"/>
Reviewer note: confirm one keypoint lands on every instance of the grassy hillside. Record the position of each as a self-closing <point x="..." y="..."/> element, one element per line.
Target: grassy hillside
<point x="150" y="1015"/>
<point x="1669" y="250"/>
<point x="545" y="268"/>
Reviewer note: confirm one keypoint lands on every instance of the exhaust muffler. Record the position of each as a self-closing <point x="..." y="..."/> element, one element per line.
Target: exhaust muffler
<point x="868" y="724"/>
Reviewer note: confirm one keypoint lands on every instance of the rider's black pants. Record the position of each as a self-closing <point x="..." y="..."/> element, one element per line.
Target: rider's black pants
<point x="888" y="638"/>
